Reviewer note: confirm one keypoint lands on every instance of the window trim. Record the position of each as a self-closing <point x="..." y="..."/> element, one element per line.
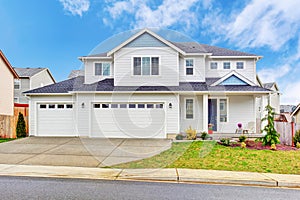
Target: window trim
<point x="17" y="100"/>
<point x="94" y="68"/>
<point x="185" y="99"/>
<point x="213" y="62"/>
<point x="218" y="109"/>
<point x="240" y="62"/>
<point x="229" y="65"/>
<point x="146" y="56"/>
<point x="185" y="67"/>
<point x="17" y="80"/>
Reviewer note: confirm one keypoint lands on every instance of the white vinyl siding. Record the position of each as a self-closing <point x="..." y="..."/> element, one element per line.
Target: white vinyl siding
<point x="196" y="122"/>
<point x="198" y="69"/>
<point x="168" y="67"/>
<point x="249" y="70"/>
<point x="40" y="79"/>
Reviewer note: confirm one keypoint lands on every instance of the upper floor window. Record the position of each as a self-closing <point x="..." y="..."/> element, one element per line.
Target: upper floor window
<point x="189" y="66"/>
<point x="17" y="84"/>
<point x="146" y="66"/>
<point x="213" y="65"/>
<point x="226" y="65"/>
<point x="240" y="65"/>
<point x="102" y="69"/>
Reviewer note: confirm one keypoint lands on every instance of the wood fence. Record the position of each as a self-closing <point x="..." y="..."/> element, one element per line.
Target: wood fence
<point x="285" y="131"/>
<point x="8" y="124"/>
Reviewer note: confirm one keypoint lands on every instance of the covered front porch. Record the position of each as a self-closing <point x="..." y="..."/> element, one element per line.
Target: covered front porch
<point x="219" y="114"/>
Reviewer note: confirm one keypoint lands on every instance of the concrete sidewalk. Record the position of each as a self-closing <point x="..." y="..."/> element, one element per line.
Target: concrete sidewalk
<point x="170" y="175"/>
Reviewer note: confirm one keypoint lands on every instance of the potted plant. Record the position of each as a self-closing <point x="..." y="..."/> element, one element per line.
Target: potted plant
<point x="210" y="128"/>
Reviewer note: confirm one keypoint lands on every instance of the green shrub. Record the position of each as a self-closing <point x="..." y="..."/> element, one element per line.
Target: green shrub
<point x="191" y="134"/>
<point x="179" y="137"/>
<point x="271" y="137"/>
<point x="225" y="141"/>
<point x="242" y="138"/>
<point x="298" y="145"/>
<point x="296" y="138"/>
<point x="21" y="126"/>
<point x="204" y="135"/>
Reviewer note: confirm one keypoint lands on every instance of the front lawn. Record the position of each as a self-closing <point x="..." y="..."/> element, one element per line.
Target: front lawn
<point x="6" y="139"/>
<point x="210" y="155"/>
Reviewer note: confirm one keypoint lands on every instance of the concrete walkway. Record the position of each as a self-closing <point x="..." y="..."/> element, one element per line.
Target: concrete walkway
<point x="79" y="152"/>
<point x="170" y="175"/>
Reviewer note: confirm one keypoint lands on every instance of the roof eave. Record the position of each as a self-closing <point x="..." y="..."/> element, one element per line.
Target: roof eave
<point x="256" y="57"/>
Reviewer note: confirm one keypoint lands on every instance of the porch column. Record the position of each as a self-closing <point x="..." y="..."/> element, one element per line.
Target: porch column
<point x="205" y="112"/>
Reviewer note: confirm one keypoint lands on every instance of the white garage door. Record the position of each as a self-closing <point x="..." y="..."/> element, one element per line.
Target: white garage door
<point x="128" y="120"/>
<point x="55" y="119"/>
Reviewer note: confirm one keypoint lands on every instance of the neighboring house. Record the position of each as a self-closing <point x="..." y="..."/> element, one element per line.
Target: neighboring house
<point x="7" y="76"/>
<point x="30" y="78"/>
<point x="150" y="87"/>
<point x="287" y="108"/>
<point x="274" y="99"/>
<point x="296" y="115"/>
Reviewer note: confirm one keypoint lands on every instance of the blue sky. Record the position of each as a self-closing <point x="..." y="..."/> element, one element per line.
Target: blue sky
<point x="54" y="33"/>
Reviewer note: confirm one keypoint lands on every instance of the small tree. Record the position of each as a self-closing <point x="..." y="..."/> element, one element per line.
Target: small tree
<point x="272" y="136"/>
<point x="21" y="127"/>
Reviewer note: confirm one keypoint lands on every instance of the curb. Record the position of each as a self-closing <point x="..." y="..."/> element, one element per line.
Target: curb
<point x="164" y="175"/>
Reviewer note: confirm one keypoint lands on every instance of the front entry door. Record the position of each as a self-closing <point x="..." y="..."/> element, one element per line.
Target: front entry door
<point x="212" y="113"/>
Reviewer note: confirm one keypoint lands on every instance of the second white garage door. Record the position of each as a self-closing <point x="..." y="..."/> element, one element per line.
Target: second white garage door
<point x="55" y="119"/>
<point x="128" y="120"/>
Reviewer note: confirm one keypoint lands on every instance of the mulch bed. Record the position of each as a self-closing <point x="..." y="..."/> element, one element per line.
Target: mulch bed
<point x="259" y="146"/>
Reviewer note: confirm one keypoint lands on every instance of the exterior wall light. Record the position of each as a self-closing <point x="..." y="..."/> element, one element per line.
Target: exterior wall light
<point x="170" y="105"/>
<point x="82" y="105"/>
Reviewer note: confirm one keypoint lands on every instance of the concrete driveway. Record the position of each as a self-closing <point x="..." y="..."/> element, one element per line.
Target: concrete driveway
<point x="79" y="152"/>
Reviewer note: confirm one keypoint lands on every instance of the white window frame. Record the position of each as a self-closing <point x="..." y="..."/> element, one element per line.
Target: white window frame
<point x="185" y="99"/>
<point x="16" y="99"/>
<point x="185" y="67"/>
<point x="229" y="65"/>
<point x="146" y="56"/>
<point x="240" y="62"/>
<point x="213" y="62"/>
<point x="98" y="62"/>
<point x="19" y="81"/>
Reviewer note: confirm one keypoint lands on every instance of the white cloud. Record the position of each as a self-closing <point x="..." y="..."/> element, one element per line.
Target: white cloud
<point x="76" y="7"/>
<point x="168" y="13"/>
<point x="260" y="23"/>
<point x="273" y="74"/>
<point x="291" y="93"/>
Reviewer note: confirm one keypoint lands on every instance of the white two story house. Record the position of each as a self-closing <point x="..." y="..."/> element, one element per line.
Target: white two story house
<point x="150" y="87"/>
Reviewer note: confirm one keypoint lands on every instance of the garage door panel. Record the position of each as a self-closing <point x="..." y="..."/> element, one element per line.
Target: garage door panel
<point x="55" y="121"/>
<point x="127" y="123"/>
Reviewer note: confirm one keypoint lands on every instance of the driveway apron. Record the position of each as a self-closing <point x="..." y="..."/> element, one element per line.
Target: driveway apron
<point x="79" y="152"/>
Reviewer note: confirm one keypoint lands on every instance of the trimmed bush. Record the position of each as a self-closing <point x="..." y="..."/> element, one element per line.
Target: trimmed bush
<point x="179" y="137"/>
<point x="204" y="135"/>
<point x="296" y="138"/>
<point x="191" y="134"/>
<point x="242" y="138"/>
<point x="21" y="126"/>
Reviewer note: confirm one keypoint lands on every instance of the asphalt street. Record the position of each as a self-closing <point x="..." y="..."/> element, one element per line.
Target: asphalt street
<point x="50" y="188"/>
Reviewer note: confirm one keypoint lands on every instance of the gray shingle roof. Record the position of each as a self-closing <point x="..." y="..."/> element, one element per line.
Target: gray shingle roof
<point x="28" y="72"/>
<point x="77" y="84"/>
<point x="194" y="47"/>
<point x="287" y="108"/>
<point x="268" y="85"/>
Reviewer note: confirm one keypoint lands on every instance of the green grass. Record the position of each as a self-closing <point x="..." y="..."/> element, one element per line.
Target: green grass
<point x="210" y="155"/>
<point x="6" y="139"/>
